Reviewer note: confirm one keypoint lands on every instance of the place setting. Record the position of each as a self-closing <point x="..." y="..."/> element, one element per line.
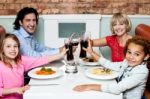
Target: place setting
<point x="101" y="73"/>
<point x="45" y="76"/>
<point x="45" y="72"/>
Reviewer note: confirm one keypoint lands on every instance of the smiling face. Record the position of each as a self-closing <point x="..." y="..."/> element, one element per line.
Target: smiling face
<point x="120" y="23"/>
<point x="135" y="54"/>
<point x="10" y="48"/>
<point x="29" y="23"/>
<point x="119" y="29"/>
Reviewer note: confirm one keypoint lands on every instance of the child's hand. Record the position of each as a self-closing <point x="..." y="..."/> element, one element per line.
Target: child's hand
<point x="89" y="49"/>
<point x="26" y="87"/>
<point x="87" y="87"/>
<point x="63" y="51"/>
<point x="21" y="90"/>
<point x="81" y="88"/>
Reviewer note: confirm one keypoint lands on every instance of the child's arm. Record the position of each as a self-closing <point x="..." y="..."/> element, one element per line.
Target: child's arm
<point x="19" y="90"/>
<point x="99" y="42"/>
<point x="31" y="62"/>
<point x="104" y="62"/>
<point x="58" y="56"/>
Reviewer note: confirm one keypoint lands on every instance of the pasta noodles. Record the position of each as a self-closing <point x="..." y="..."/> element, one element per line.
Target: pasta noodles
<point x="101" y="71"/>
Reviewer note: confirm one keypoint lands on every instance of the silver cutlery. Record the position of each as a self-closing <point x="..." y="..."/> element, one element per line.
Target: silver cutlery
<point x="42" y="84"/>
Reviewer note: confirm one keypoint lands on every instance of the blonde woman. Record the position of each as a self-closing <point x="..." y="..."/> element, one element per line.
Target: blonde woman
<point x="120" y="27"/>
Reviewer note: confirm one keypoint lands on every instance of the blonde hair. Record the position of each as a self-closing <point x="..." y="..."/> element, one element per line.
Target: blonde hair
<point x="122" y="19"/>
<point x="2" y="56"/>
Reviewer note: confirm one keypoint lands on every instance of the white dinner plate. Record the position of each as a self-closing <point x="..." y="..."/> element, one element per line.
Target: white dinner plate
<point x="32" y="73"/>
<point x="88" y="63"/>
<point x="113" y="75"/>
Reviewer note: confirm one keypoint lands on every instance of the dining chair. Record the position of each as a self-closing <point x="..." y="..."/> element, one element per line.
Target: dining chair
<point x="143" y="30"/>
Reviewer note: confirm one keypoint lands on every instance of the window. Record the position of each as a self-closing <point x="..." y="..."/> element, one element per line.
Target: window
<point x="66" y="29"/>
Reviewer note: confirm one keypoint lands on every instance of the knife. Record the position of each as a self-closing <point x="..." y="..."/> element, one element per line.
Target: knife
<point x="42" y="84"/>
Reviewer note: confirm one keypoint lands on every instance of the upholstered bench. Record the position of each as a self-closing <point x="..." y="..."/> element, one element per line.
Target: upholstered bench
<point x="143" y="30"/>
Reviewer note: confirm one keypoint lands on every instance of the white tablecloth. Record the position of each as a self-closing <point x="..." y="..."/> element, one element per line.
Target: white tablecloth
<point x="64" y="89"/>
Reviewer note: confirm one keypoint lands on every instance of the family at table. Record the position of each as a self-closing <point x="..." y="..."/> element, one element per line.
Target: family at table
<point x="20" y="51"/>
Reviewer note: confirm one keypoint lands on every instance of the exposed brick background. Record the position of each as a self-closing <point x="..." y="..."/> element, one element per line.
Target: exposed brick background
<point x="141" y="7"/>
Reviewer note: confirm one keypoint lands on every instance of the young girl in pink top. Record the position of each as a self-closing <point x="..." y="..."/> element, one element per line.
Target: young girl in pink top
<point x="120" y="26"/>
<point x="13" y="66"/>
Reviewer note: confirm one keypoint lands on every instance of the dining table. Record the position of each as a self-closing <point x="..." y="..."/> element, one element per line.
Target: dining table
<point x="61" y="87"/>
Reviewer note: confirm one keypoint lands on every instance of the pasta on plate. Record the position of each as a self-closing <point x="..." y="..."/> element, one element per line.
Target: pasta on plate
<point x="101" y="71"/>
<point x="45" y="71"/>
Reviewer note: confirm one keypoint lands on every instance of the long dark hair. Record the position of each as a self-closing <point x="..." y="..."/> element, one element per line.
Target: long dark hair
<point x="22" y="13"/>
<point x="2" y="56"/>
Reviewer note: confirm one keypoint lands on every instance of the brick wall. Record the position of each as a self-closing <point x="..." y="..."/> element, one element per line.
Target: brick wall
<point x="141" y="7"/>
